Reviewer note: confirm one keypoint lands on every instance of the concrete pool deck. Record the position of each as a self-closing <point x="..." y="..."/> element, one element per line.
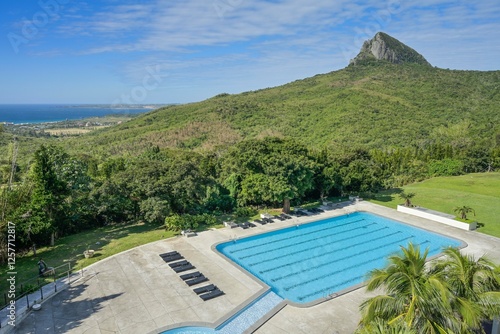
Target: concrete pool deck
<point x="137" y="292"/>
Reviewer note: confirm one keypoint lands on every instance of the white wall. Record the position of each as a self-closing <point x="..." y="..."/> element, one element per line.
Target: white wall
<point x="440" y="219"/>
<point x="496" y="327"/>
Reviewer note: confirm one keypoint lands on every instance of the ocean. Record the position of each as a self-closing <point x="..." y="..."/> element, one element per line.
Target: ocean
<point x="42" y="113"/>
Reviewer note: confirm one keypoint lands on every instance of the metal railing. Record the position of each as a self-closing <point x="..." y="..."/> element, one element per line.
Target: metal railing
<point x="34" y="290"/>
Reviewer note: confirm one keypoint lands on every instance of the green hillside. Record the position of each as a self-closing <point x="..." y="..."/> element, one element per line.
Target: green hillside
<point x="376" y="104"/>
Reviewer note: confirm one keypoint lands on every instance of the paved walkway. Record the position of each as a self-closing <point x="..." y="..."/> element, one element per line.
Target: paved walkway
<point x="137" y="292"/>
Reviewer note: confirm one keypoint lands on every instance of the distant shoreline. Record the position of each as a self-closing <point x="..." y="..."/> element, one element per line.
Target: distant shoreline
<point x="23" y="114"/>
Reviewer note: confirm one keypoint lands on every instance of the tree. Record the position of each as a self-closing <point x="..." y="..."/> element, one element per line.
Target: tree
<point x="255" y="190"/>
<point x="357" y="171"/>
<point x="475" y="287"/>
<point x="464" y="210"/>
<point x="407" y="198"/>
<point x="184" y="222"/>
<point x="218" y="199"/>
<point x="112" y="203"/>
<point x="380" y="327"/>
<point x="154" y="209"/>
<point x="452" y="295"/>
<point x="413" y="297"/>
<point x="445" y="167"/>
<point x="268" y="171"/>
<point x="328" y="180"/>
<point x="49" y="191"/>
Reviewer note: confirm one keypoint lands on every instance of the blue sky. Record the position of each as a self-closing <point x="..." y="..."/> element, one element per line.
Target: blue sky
<point x="177" y="51"/>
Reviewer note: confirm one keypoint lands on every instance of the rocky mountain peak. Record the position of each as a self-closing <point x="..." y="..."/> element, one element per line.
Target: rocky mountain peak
<point x="385" y="47"/>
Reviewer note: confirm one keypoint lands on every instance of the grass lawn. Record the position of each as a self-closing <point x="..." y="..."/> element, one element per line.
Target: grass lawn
<point x="479" y="191"/>
<point x="112" y="240"/>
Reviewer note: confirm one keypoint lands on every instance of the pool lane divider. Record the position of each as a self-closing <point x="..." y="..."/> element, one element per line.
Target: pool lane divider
<point x="296" y="236"/>
<point x="332" y="251"/>
<point x="334" y="287"/>
<point x="338" y="260"/>
<point x="309" y="249"/>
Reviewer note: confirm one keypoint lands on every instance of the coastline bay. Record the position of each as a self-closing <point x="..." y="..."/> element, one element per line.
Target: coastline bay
<point x="44" y="113"/>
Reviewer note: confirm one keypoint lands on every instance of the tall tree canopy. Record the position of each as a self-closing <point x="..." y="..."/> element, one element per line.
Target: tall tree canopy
<point x="45" y="212"/>
<point x="268" y="171"/>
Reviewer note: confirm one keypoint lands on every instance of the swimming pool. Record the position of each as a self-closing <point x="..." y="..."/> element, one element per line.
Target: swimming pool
<point x="308" y="262"/>
<point x="239" y="322"/>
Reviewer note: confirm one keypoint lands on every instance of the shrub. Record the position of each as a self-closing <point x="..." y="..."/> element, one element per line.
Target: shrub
<point x="245" y="211"/>
<point x="445" y="167"/>
<point x="188" y="222"/>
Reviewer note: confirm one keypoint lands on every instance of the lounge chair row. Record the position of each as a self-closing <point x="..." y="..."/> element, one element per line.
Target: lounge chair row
<point x="178" y="266"/>
<point x="269" y="220"/>
<point x="246" y="225"/>
<point x="307" y="212"/>
<point x="205" y="292"/>
<point x="181" y="266"/>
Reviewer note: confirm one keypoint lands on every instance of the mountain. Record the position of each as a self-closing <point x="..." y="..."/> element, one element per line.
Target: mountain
<point x="374" y="103"/>
<point x="385" y="47"/>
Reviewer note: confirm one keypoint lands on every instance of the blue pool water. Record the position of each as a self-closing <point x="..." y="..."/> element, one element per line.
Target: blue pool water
<point x="190" y="330"/>
<point x="311" y="261"/>
<point x="239" y="322"/>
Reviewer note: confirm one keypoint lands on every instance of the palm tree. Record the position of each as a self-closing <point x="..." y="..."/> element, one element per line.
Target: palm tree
<point x="452" y="295"/>
<point x="464" y="210"/>
<point x="407" y="198"/>
<point x="380" y="327"/>
<point x="415" y="297"/>
<point x="475" y="287"/>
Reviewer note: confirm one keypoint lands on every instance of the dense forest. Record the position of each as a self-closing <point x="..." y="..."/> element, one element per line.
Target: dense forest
<point x="365" y="128"/>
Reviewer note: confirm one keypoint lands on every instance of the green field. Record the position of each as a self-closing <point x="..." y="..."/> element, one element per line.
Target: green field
<point x="478" y="191"/>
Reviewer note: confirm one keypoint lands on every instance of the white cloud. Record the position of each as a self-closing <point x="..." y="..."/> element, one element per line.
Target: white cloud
<point x="213" y="46"/>
<point x="167" y="25"/>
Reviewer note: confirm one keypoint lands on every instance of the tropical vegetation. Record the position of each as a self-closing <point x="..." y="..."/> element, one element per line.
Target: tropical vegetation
<point x="407" y="198"/>
<point x="452" y="295"/>
<point x="464" y="210"/>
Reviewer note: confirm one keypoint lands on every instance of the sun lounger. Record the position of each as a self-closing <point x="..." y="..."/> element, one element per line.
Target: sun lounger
<point x="284" y="215"/>
<point x="230" y="224"/>
<point x="185" y="267"/>
<point x="251" y="224"/>
<point x="196" y="280"/>
<point x="212" y="294"/>
<point x="279" y="218"/>
<point x="172" y="258"/>
<point x="260" y="222"/>
<point x="178" y="264"/>
<point x="244" y="226"/>
<point x="300" y="213"/>
<point x="268" y="220"/>
<point x="204" y="289"/>
<point x="188" y="233"/>
<point x="169" y="254"/>
<point x="316" y="210"/>
<point x="190" y="275"/>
